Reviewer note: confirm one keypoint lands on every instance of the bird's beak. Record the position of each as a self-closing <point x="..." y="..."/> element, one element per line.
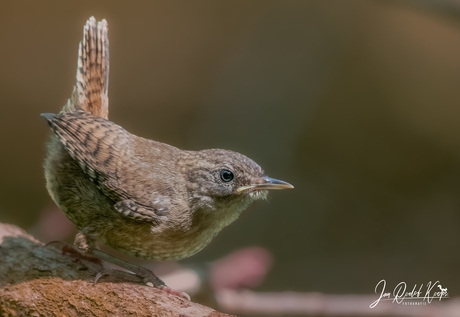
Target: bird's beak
<point x="266" y="183"/>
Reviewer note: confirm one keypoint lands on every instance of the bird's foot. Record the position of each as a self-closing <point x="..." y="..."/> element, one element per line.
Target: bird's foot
<point x="151" y="280"/>
<point x="71" y="250"/>
<point x="147" y="276"/>
<point x="117" y="275"/>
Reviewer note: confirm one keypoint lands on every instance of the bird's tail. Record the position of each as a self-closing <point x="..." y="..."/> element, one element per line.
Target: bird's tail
<point x="91" y="89"/>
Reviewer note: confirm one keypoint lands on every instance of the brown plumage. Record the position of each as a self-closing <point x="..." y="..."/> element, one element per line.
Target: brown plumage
<point x="139" y="196"/>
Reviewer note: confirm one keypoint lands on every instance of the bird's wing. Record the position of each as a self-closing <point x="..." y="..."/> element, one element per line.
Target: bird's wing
<point x="134" y="210"/>
<point x="101" y="148"/>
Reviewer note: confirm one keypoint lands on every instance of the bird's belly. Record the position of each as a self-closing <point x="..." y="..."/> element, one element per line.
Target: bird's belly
<point x="150" y="242"/>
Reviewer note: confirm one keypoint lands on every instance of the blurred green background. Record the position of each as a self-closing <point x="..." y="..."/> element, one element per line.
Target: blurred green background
<point x="356" y="103"/>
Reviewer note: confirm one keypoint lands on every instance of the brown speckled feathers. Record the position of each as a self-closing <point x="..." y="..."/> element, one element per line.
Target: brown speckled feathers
<point x="104" y="152"/>
<point x="136" y="195"/>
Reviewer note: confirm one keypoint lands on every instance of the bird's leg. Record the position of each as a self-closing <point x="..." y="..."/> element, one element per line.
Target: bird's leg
<point x="87" y="245"/>
<point x="146" y="275"/>
<point x="70" y="249"/>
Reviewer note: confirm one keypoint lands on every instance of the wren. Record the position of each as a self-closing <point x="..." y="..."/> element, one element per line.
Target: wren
<point x="139" y="196"/>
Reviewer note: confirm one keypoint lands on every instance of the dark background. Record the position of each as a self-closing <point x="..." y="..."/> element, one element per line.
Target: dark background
<point x="356" y="103"/>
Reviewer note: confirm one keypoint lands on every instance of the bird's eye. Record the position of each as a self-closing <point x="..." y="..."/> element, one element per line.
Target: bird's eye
<point x="226" y="175"/>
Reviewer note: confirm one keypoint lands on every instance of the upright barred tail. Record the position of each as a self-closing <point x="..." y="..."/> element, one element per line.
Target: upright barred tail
<point x="90" y="93"/>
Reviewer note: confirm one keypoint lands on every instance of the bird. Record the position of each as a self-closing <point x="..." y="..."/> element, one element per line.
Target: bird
<point x="139" y="196"/>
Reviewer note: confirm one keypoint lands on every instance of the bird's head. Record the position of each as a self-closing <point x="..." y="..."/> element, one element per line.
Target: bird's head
<point x="223" y="181"/>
